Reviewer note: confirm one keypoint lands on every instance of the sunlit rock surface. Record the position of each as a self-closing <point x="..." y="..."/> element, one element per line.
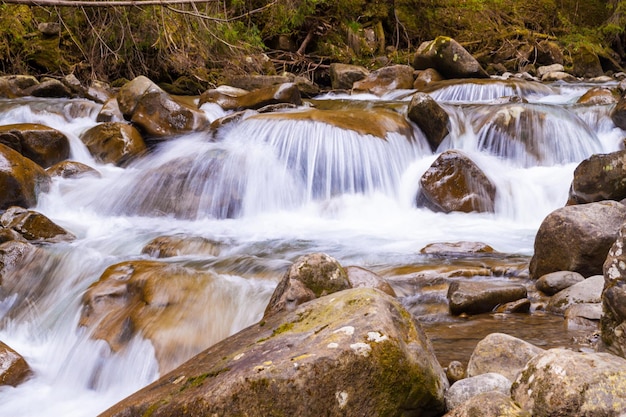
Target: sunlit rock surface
<point x="352" y="353"/>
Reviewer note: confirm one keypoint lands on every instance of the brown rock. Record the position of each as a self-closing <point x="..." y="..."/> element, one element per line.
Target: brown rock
<point x="21" y="179"/>
<point x="311" y="276"/>
<point x="457" y="248"/>
<point x="180" y="245"/>
<point x="429" y="117"/>
<point x="355" y="353"/>
<point x="12" y="86"/>
<point x="343" y="76"/>
<point x="549" y="53"/>
<point x="256" y="82"/>
<point x="577" y="238"/>
<point x="363" y="278"/>
<point x="129" y="95"/>
<point x="13" y="368"/>
<point x="586" y="63"/>
<point x="49" y="88"/>
<point x="598" y="96"/>
<point x="554" y="282"/>
<point x="34" y="226"/>
<point x="283" y="93"/>
<point x="475" y="297"/>
<point x="449" y="58"/>
<point x="41" y="144"/>
<point x="455" y="183"/>
<point x="599" y="177"/>
<point x="110" y="112"/>
<point x="72" y="169"/>
<point x="385" y="80"/>
<point x="114" y="142"/>
<point x="425" y="77"/>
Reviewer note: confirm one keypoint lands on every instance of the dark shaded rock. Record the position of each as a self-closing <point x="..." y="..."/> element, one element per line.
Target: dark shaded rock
<point x="114" y="142"/>
<point x="41" y="144"/>
<point x="72" y="169"/>
<point x="577" y="238"/>
<point x="12" y="86"/>
<point x="355" y="353"/>
<point x="599" y="177"/>
<point x="449" y="58"/>
<point x="560" y="382"/>
<point x="21" y="180"/>
<point x="618" y="114"/>
<point x="429" y="117"/>
<point x="475" y="297"/>
<point x="385" y="79"/>
<point x="13" y="368"/>
<point x="49" y="88"/>
<point x="586" y="63"/>
<point x="554" y="282"/>
<point x="311" y="276"/>
<point x="455" y="183"/>
<point x="549" y="53"/>
<point x="343" y="76"/>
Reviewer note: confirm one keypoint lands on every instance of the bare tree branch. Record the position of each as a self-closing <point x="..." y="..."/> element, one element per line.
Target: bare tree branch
<point x="106" y="3"/>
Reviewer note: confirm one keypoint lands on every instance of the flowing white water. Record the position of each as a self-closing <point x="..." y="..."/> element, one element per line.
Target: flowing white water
<point x="269" y="192"/>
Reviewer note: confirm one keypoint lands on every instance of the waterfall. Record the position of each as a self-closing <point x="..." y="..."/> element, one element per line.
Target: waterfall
<point x="338" y="175"/>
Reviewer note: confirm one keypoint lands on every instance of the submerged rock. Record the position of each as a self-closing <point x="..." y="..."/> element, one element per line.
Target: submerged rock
<point x="455" y="183"/>
<point x="41" y="144"/>
<point x="560" y="382"/>
<point x="577" y="238"/>
<point x="353" y="353"/>
<point x="179" y="245"/>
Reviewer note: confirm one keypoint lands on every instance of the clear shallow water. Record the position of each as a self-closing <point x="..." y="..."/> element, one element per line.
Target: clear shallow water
<point x="300" y="189"/>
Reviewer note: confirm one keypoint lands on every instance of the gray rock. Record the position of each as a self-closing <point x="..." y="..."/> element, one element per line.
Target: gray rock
<point x="613" y="321"/>
<point x="583" y="316"/>
<point x="599" y="177"/>
<point x="343" y="76"/>
<point x="489" y="404"/>
<point x="481" y="296"/>
<point x="587" y="291"/>
<point x="554" y="282"/>
<point x="449" y="58"/>
<point x="463" y="390"/>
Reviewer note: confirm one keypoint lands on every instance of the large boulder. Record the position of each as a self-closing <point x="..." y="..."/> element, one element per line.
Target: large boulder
<point x="560" y="382"/>
<point x="114" y="142"/>
<point x="353" y="353"/>
<point x="577" y="238"/>
<point x="41" y="144"/>
<point x="180" y="310"/>
<point x="21" y="180"/>
<point x="475" y="297"/>
<point x="309" y="277"/>
<point x="599" y="177"/>
<point x="13" y="367"/>
<point x="429" y="117"/>
<point x="343" y="76"/>
<point x="586" y="63"/>
<point x="385" y="80"/>
<point x="502" y="354"/>
<point x="613" y="321"/>
<point x="618" y="114"/>
<point x="455" y="183"/>
<point x="276" y="94"/>
<point x="449" y="58"/>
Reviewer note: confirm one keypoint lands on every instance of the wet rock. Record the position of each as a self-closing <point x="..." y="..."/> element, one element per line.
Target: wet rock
<point x="489" y="404"/>
<point x="110" y="112"/>
<point x="577" y="238"/>
<point x="583" y="316"/>
<point x="114" y="142"/>
<point x="311" y="276"/>
<point x="429" y="117"/>
<point x="179" y="245"/>
<point x="587" y="291"/>
<point x="75" y="86"/>
<point x="21" y="180"/>
<point x="12" y="86"/>
<point x="41" y="144"/>
<point x="598" y="96"/>
<point x="343" y="76"/>
<point x="425" y="77"/>
<point x="283" y="93"/>
<point x="554" y="282"/>
<point x="475" y="297"/>
<point x="13" y="367"/>
<point x="455" y="183"/>
<point x="72" y="169"/>
<point x="463" y="390"/>
<point x="224" y="96"/>
<point x="12" y="253"/>
<point x="549" y="53"/>
<point x="558" y="76"/>
<point x="100" y="92"/>
<point x="385" y="80"/>
<point x="49" y="88"/>
<point x="560" y="382"/>
<point x="449" y="58"/>
<point x="257" y="82"/>
<point x="353" y="353"/>
<point x="34" y="226"/>
<point x="618" y="114"/>
<point x="518" y="306"/>
<point x="129" y="95"/>
<point x="599" y="177"/>
<point x="586" y="63"/>
<point x="306" y="87"/>
<point x="613" y="322"/>
<point x="363" y="278"/>
<point x="502" y="354"/>
<point x="457" y="248"/>
<point x="158" y="115"/>
<point x="180" y="310"/>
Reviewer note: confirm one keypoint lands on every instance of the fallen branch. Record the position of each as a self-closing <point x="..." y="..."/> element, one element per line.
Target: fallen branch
<point x="106" y="3"/>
